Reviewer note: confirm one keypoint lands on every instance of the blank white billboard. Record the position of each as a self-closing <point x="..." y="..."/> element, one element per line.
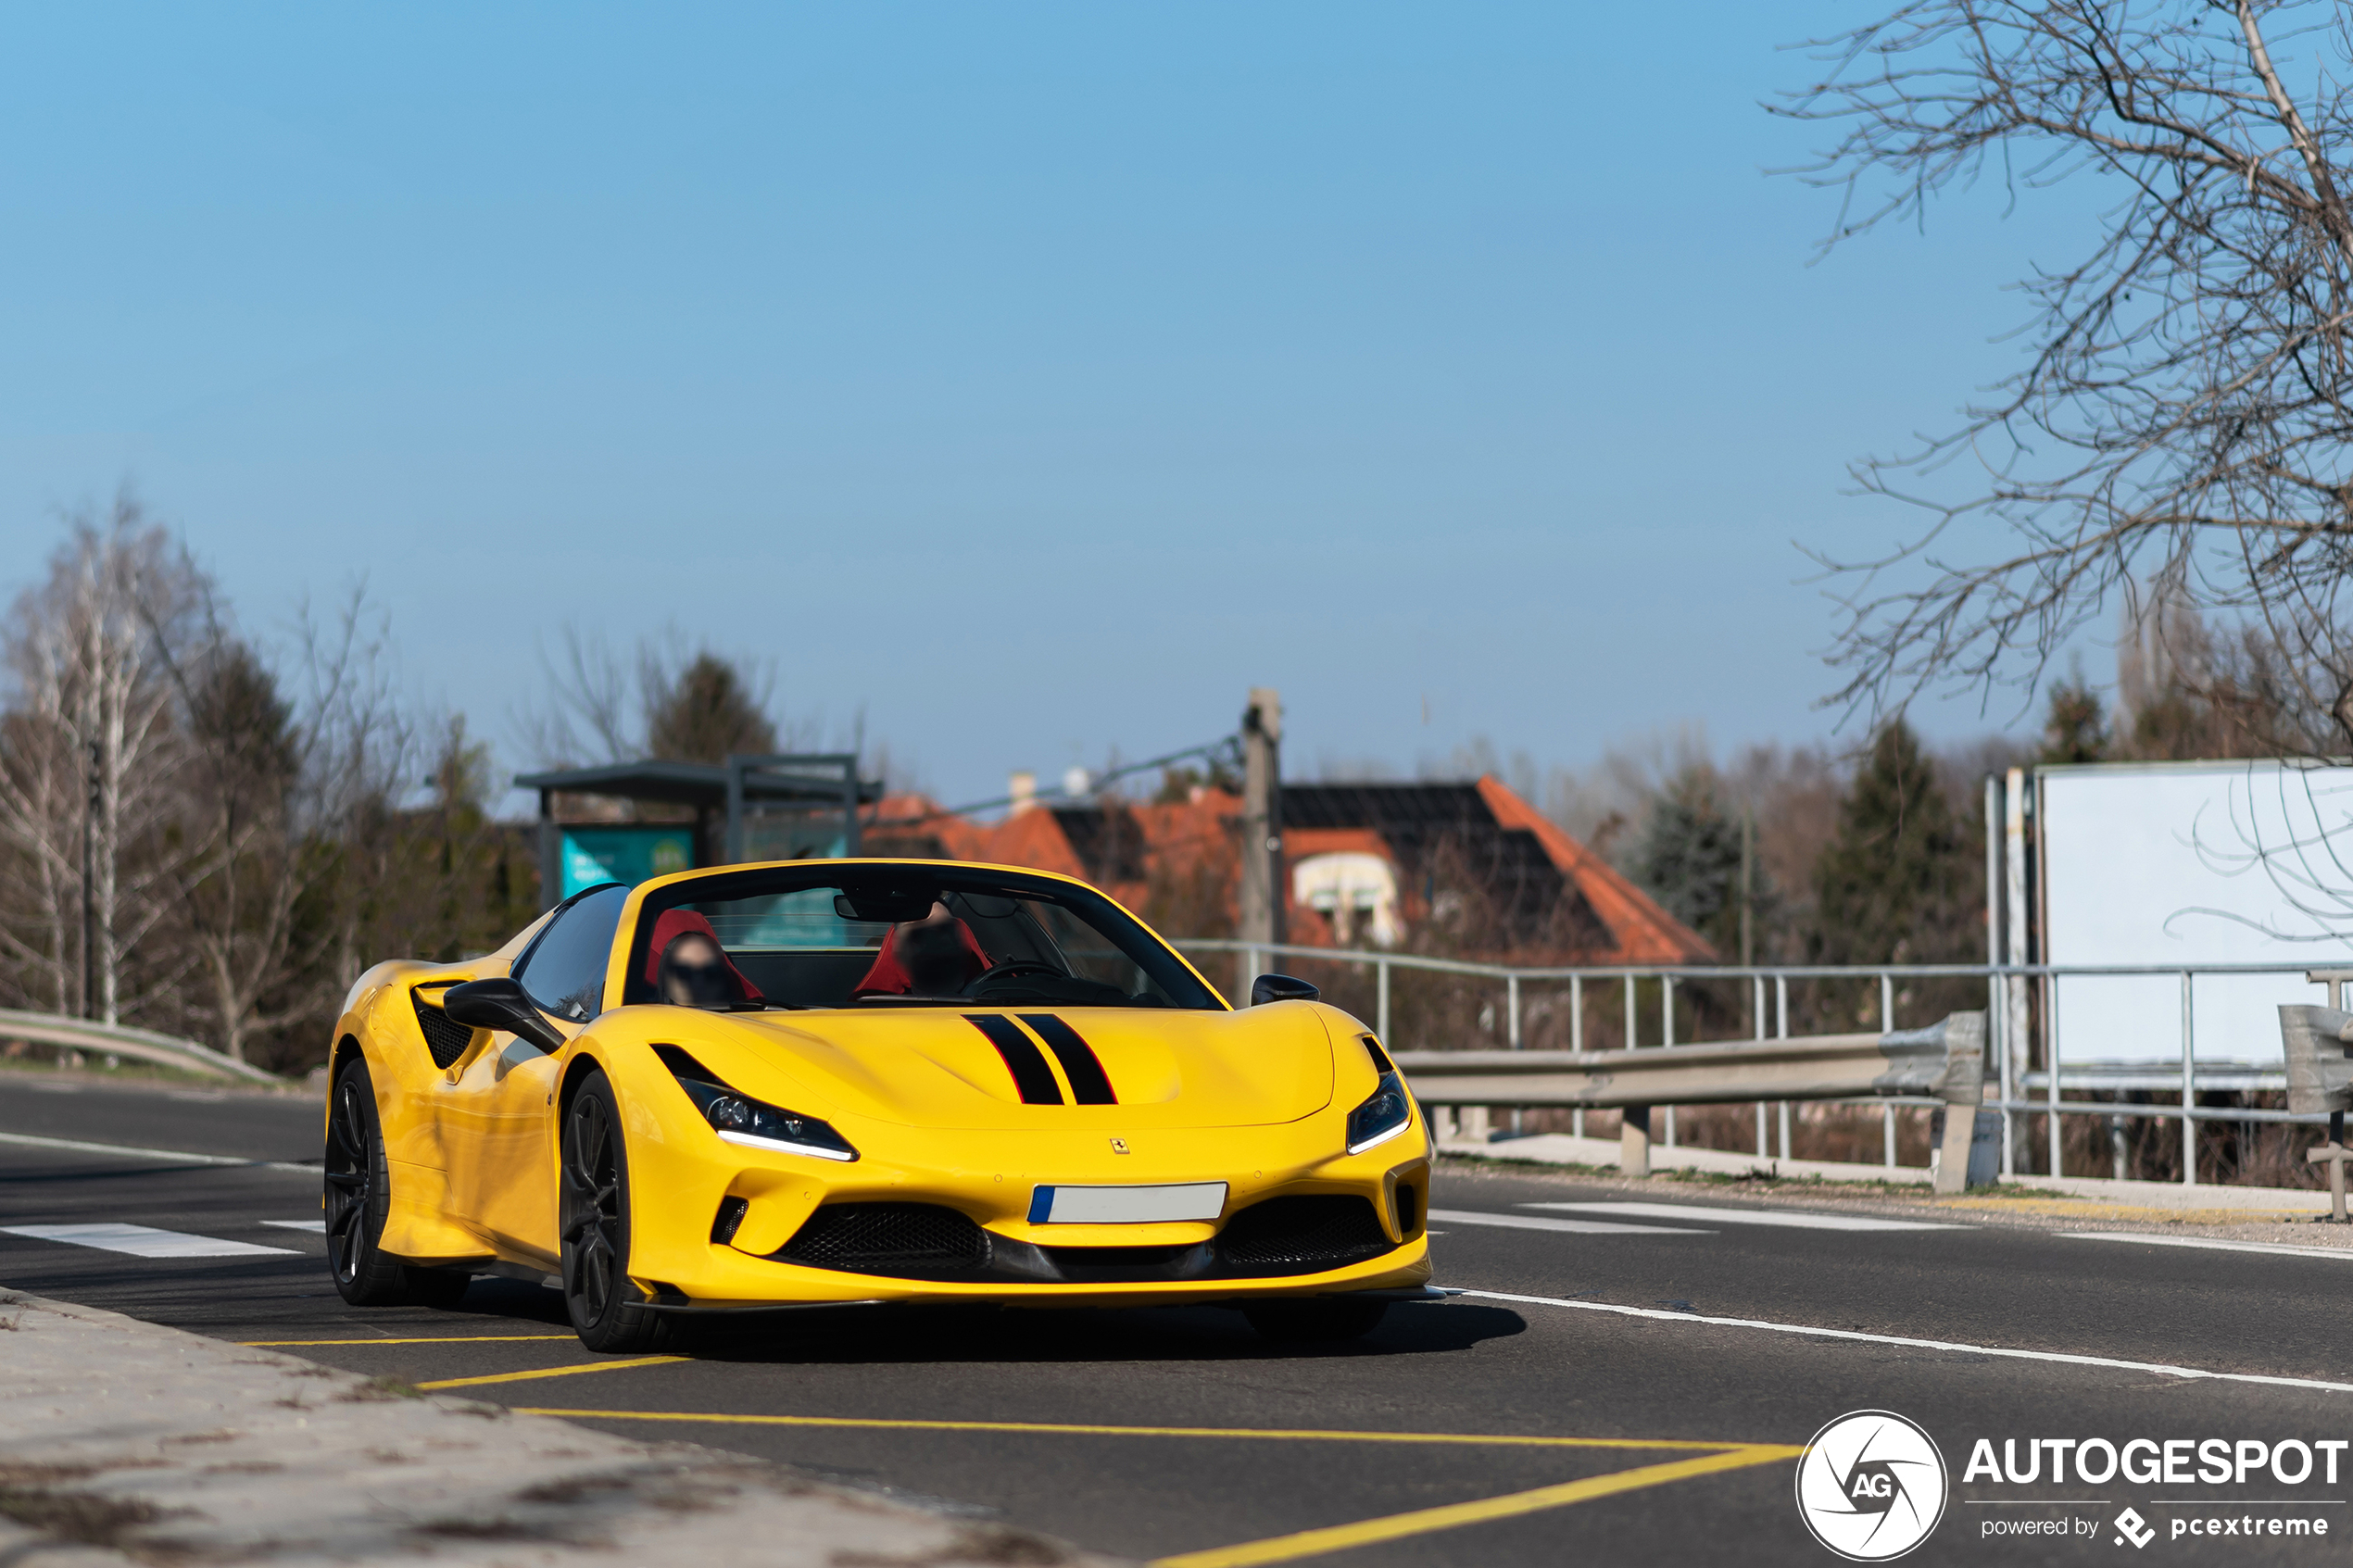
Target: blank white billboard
<point x="2191" y="863"/>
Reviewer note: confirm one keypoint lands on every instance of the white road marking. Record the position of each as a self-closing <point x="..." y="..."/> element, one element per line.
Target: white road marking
<point x="315" y="1227"/>
<point x="144" y="1241"/>
<point x="2339" y="1253"/>
<point x="1534" y="1222"/>
<point x="1856" y="1334"/>
<point x="1794" y="1219"/>
<point x="133" y="1153"/>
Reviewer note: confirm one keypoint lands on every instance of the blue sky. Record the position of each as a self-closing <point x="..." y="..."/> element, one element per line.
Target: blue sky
<point x="1033" y="378"/>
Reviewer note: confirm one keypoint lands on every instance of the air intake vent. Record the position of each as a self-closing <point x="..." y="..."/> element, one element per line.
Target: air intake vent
<point x="888" y="1238"/>
<point x="1300" y="1235"/>
<point x="445" y="1038"/>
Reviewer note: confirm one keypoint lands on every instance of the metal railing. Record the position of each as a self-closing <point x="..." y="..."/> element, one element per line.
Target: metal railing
<point x="2010" y="1019"/>
<point x="140" y="1045"/>
<point x="1945" y="1064"/>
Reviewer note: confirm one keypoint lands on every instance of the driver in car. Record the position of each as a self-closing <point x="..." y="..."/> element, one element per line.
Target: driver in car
<point x="936" y="956"/>
<point x="688" y="968"/>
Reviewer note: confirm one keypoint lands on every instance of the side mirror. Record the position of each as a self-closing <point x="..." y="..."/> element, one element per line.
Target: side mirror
<point x="1279" y="988"/>
<point x="501" y="1004"/>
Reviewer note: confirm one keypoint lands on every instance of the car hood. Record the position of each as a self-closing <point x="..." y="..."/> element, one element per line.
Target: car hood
<point x="938" y="1067"/>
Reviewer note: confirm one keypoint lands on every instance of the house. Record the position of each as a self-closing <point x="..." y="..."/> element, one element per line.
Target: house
<point x="1468" y="866"/>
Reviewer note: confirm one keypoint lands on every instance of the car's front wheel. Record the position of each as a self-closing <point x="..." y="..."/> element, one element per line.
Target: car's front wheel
<point x="358" y="1197"/>
<point x="1314" y="1320"/>
<point x="604" y="1304"/>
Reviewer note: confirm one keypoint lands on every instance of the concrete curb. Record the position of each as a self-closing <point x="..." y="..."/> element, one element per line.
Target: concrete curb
<point x="1561" y="1149"/>
<point x="124" y="1442"/>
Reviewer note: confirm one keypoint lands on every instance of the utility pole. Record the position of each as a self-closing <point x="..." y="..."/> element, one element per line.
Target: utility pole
<point x="90" y="889"/>
<point x="1262" y="846"/>
<point x="1748" y="888"/>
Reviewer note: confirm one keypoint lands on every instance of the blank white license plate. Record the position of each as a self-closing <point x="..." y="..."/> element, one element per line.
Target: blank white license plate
<point x="1125" y="1206"/>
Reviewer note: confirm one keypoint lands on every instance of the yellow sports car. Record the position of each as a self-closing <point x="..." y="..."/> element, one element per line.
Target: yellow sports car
<point x="861" y="1080"/>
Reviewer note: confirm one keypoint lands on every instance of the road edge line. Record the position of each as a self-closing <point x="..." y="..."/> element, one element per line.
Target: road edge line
<point x="29" y="1141"/>
<point x="1859" y="1335"/>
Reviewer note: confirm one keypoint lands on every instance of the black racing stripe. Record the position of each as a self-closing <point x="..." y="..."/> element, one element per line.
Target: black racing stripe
<point x="1088" y="1080"/>
<point x="1031" y="1075"/>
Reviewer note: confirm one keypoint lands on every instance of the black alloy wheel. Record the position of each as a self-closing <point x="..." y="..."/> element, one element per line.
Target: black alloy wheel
<point x="1314" y="1320"/>
<point x="358" y="1196"/>
<point x="607" y="1308"/>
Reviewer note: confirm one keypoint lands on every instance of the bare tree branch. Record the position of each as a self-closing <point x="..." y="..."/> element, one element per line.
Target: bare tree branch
<point x="2185" y="408"/>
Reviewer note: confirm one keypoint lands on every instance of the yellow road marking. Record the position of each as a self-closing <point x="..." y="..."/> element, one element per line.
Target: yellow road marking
<point x="1338" y="1538"/>
<point x="1075" y="1430"/>
<point x="1715" y="1459"/>
<point x="440" y="1340"/>
<point x="548" y="1371"/>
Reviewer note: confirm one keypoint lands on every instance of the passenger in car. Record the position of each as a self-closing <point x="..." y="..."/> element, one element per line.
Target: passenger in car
<point x="688" y="966"/>
<point x="937" y="956"/>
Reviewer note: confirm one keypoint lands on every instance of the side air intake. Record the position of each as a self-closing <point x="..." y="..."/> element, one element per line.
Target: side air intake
<point x="888" y="1238"/>
<point x="1303" y="1235"/>
<point x="445" y="1038"/>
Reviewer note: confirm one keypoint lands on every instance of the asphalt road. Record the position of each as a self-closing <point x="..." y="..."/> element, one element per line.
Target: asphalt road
<point x="1586" y="1354"/>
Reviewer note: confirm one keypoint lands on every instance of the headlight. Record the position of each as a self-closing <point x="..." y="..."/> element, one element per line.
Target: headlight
<point x="1381" y="1118"/>
<point x="740" y="1119"/>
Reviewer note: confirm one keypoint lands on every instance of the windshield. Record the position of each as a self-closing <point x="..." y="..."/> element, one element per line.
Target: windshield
<point x="892" y="935"/>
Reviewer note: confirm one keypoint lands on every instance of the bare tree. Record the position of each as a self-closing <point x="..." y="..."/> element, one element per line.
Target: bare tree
<point x="273" y="794"/>
<point x="2183" y="415"/>
<point x="88" y="754"/>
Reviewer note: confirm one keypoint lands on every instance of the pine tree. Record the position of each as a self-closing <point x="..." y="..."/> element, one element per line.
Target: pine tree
<point x="1690" y="857"/>
<point x="706" y="714"/>
<point x="2075" y="725"/>
<point x="1894" y="885"/>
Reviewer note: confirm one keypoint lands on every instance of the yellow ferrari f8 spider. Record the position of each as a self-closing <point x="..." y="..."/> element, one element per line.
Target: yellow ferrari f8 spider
<point x="864" y="1081"/>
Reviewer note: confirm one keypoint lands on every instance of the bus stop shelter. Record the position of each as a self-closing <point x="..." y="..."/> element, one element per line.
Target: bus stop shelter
<point x="785" y="806"/>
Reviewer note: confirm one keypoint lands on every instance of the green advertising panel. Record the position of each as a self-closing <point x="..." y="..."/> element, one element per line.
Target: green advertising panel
<point x="630" y="853"/>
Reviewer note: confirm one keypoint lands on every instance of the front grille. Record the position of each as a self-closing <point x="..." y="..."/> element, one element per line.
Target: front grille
<point x="887" y="1238"/>
<point x="1302" y="1234"/>
<point x="1120" y="1264"/>
<point x="445" y="1038"/>
<point x="1115" y="1257"/>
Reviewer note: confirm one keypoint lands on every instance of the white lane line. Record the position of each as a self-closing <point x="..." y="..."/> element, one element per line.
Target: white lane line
<point x="144" y="1241"/>
<point x="1857" y="1335"/>
<point x="315" y="1227"/>
<point x="1794" y="1219"/>
<point x="1533" y="1223"/>
<point x="128" y="1151"/>
<point x="2339" y="1253"/>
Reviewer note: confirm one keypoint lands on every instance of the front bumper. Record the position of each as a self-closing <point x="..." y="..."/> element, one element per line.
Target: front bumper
<point x="987" y="1178"/>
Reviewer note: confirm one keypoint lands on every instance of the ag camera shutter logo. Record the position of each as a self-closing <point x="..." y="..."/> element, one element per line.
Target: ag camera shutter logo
<point x="1871" y="1485"/>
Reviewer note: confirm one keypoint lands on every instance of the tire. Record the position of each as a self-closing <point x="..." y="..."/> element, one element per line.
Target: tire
<point x="358" y="1196"/>
<point x="1313" y="1319"/>
<point x="601" y="1299"/>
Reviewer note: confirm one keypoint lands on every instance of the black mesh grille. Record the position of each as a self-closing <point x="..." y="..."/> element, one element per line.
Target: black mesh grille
<point x="445" y="1038"/>
<point x="887" y="1238"/>
<point x="1300" y="1232"/>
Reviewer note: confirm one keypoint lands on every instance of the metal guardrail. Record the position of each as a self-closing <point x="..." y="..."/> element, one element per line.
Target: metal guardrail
<point x="141" y="1045"/>
<point x="2008" y="1013"/>
<point x="1946" y="1062"/>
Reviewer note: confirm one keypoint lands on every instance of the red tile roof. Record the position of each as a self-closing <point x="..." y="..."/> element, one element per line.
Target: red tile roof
<point x="1166" y="840"/>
